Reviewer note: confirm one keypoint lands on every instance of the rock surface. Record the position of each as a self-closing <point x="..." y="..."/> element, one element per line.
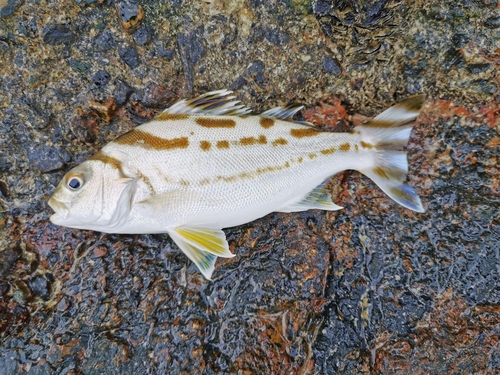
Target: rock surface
<point x="373" y="288"/>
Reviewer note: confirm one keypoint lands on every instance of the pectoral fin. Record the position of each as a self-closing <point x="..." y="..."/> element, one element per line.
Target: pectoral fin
<point x="319" y="198"/>
<point x="206" y="239"/>
<point x="203" y="260"/>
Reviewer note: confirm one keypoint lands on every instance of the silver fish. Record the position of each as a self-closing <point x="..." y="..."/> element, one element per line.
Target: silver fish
<point x="207" y="164"/>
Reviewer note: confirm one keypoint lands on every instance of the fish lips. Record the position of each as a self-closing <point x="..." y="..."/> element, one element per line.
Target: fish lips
<point x="60" y="209"/>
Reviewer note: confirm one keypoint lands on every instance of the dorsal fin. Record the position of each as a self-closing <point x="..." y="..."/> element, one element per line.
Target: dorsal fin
<point x="285" y="113"/>
<point x="212" y="103"/>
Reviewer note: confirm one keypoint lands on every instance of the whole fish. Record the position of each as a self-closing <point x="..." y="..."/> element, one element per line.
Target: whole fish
<point x="207" y="164"/>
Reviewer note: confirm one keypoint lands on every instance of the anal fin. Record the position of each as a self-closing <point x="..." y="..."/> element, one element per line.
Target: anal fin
<point x="319" y="198"/>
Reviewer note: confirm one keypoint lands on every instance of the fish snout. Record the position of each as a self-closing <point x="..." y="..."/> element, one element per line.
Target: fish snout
<point x="60" y="209"/>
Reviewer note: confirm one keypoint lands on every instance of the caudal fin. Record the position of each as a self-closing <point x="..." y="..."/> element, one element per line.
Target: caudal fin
<point x="387" y="135"/>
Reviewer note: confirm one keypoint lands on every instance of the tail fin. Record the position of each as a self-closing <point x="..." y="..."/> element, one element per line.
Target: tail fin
<point x="387" y="135"/>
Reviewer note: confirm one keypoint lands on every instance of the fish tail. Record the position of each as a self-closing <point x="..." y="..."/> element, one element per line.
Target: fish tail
<point x="387" y="136"/>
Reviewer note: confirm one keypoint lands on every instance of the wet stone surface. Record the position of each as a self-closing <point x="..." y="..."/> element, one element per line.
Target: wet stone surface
<point x="373" y="288"/>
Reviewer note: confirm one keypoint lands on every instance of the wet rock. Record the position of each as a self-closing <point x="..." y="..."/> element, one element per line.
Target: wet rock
<point x="58" y="34"/>
<point x="191" y="50"/>
<point x="321" y="7"/>
<point x="166" y="53"/>
<point x="47" y="159"/>
<point x="256" y="71"/>
<point x="276" y="37"/>
<point x="105" y="41"/>
<point x="237" y="83"/>
<point x="492" y="22"/>
<point x="8" y="7"/>
<point x="85" y="126"/>
<point x="452" y="58"/>
<point x="8" y="257"/>
<point x="478" y="68"/>
<point x="80" y="66"/>
<point x="129" y="55"/>
<point x="459" y="40"/>
<point x="143" y="36"/>
<point x="83" y="3"/>
<point x="4" y="190"/>
<point x="156" y="96"/>
<point x="122" y="92"/>
<point x="105" y="109"/>
<point x="39" y="286"/>
<point x="101" y="78"/>
<point x="130" y="14"/>
<point x="331" y="66"/>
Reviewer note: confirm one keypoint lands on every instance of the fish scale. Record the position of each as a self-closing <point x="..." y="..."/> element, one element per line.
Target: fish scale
<point x="206" y="164"/>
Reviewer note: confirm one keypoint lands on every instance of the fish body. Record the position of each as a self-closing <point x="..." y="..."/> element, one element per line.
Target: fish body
<point x="206" y="164"/>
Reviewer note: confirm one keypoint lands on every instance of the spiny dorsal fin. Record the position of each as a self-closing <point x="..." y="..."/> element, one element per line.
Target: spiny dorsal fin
<point x="319" y="198"/>
<point x="212" y="103"/>
<point x="285" y="113"/>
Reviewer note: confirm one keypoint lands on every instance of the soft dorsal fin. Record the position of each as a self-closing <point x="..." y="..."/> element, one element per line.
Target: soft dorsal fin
<point x="285" y="113"/>
<point x="319" y="198"/>
<point x="212" y="103"/>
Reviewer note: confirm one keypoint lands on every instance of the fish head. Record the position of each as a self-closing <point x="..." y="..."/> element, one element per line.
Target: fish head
<point x="93" y="195"/>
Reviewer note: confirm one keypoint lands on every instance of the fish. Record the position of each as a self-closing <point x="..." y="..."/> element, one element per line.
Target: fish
<point x="207" y="163"/>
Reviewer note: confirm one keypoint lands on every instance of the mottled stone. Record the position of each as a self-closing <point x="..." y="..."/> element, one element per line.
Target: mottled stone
<point x="129" y="55"/>
<point x="58" y="34"/>
<point x="122" y="92"/>
<point x="331" y="66"/>
<point x="47" y="159"/>
<point x="39" y="286"/>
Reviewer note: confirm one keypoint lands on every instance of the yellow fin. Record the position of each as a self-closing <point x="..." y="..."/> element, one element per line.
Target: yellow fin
<point x="206" y="239"/>
<point x="319" y="198"/>
<point x="203" y="260"/>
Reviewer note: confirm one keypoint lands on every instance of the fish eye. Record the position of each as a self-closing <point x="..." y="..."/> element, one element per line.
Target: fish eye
<point x="75" y="183"/>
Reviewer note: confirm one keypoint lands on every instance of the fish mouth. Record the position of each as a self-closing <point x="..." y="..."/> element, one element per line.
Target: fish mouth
<point x="60" y="209"/>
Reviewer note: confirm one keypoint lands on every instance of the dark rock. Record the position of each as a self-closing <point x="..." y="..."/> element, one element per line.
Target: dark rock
<point x="166" y="53"/>
<point x="452" y="58"/>
<point x="46" y="159"/>
<point x="82" y="3"/>
<point x="321" y="7"/>
<point x="130" y="14"/>
<point x="156" y="96"/>
<point x="9" y="8"/>
<point x="237" y="83"/>
<point x="276" y="37"/>
<point x="459" y="40"/>
<point x="101" y="78"/>
<point x="129" y="55"/>
<point x="122" y="92"/>
<point x="58" y="34"/>
<point x="331" y="66"/>
<point x="39" y="286"/>
<point x="256" y="71"/>
<point x="8" y="259"/>
<point x="492" y="22"/>
<point x="4" y="189"/>
<point x="79" y="66"/>
<point x="478" y="68"/>
<point x="191" y="50"/>
<point x="143" y="36"/>
<point x="105" y="41"/>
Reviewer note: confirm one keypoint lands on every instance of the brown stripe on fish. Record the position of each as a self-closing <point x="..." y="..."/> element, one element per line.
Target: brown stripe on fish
<point x="313" y="156"/>
<point x="328" y="151"/>
<point x="222" y="144"/>
<point x="345" y="147"/>
<point x="366" y="145"/>
<point x="279" y="142"/>
<point x="301" y="133"/>
<point x="115" y="163"/>
<point x="356" y="147"/>
<point x="381" y="124"/>
<point x="215" y="122"/>
<point x="146" y="140"/>
<point x="266" y="122"/>
<point x="249" y="141"/>
<point x="205" y="145"/>
<point x="171" y="117"/>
